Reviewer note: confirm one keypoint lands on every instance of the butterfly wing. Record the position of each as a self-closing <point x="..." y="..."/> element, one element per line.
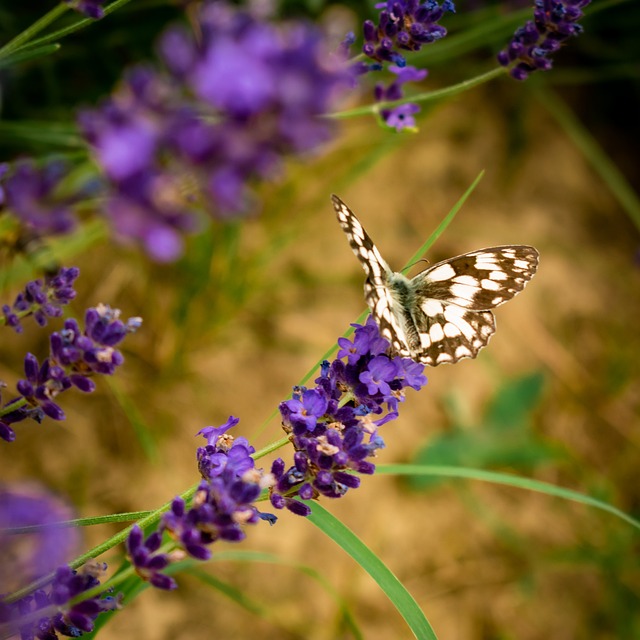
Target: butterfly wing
<point x="481" y="279"/>
<point x="452" y="300"/>
<point x="376" y="287"/>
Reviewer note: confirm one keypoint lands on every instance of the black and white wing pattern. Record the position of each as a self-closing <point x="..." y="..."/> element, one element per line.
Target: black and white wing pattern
<point x="442" y="314"/>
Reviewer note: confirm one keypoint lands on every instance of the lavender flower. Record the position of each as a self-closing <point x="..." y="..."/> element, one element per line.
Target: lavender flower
<point x="89" y="8"/>
<point x="238" y="99"/>
<point x="400" y="117"/>
<point x="403" y="25"/>
<point x="221" y="508"/>
<point x="334" y="427"/>
<point x="45" y="613"/>
<point x="31" y="194"/>
<point x="530" y="49"/>
<point x="42" y="299"/>
<point x="75" y="356"/>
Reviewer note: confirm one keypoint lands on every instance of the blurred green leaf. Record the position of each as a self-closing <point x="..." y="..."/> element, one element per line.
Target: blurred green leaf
<point x="503" y="437"/>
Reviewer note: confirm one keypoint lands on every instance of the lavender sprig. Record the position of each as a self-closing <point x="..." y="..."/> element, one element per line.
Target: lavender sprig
<point x="403" y="25"/>
<point x="334" y="426"/>
<point x="334" y="430"/>
<point x="42" y="299"/>
<point x="222" y="506"/>
<point x="530" y="49"/>
<point x="75" y="356"/>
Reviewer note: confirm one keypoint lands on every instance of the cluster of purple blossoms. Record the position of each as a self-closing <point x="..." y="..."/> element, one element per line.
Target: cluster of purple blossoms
<point x="237" y="99"/>
<point x="403" y="25"/>
<point x="222" y="506"/>
<point x="31" y="193"/>
<point x="553" y="23"/>
<point x="74" y="357"/>
<point x="90" y="8"/>
<point x="334" y="426"/>
<point x="42" y="298"/>
<point x="44" y="613"/>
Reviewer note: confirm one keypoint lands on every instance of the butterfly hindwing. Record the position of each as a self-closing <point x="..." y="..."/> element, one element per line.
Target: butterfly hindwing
<point x="442" y="315"/>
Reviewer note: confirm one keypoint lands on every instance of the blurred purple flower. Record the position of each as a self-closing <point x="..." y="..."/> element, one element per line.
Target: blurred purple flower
<point x="237" y="101"/>
<point x="31" y="194"/>
<point x="29" y="556"/>
<point x="44" y="613"/>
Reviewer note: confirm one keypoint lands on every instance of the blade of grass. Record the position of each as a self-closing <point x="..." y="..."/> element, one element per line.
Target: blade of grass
<point x="593" y="152"/>
<point x="391" y="586"/>
<point x="267" y="558"/>
<point x="140" y="427"/>
<point x="29" y="54"/>
<point x="506" y="479"/>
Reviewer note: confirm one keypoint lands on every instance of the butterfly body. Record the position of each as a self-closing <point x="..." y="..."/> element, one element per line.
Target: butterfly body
<point x="443" y="314"/>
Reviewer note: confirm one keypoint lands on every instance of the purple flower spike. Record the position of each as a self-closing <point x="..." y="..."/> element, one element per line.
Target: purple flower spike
<point x="403" y="25"/>
<point x="380" y="372"/>
<point x="42" y="299"/>
<point x="334" y="427"/>
<point x="554" y="22"/>
<point x="74" y="357"/>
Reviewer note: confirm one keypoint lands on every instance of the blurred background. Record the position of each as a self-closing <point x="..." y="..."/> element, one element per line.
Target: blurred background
<point x="255" y="303"/>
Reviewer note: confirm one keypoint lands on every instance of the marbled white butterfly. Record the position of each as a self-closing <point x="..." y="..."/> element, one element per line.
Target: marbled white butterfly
<point x="442" y="314"/>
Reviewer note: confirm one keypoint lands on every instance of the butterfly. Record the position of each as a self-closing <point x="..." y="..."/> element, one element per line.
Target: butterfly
<point x="443" y="314"/>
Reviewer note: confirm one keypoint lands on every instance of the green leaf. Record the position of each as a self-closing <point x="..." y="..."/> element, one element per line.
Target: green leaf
<point x="392" y="587"/>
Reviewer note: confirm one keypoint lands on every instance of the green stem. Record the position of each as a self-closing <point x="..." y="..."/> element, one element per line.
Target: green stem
<point x="439" y="94"/>
<point x="76" y="26"/>
<point x="271" y="447"/>
<point x="35" y="28"/>
<point x="13" y="406"/>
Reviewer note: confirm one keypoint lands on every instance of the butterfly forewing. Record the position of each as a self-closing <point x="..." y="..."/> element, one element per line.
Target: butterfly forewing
<point x="376" y="287"/>
<point x="481" y="279"/>
<point x="442" y="315"/>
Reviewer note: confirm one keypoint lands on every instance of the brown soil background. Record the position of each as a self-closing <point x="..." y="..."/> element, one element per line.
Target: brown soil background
<point x="482" y="561"/>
